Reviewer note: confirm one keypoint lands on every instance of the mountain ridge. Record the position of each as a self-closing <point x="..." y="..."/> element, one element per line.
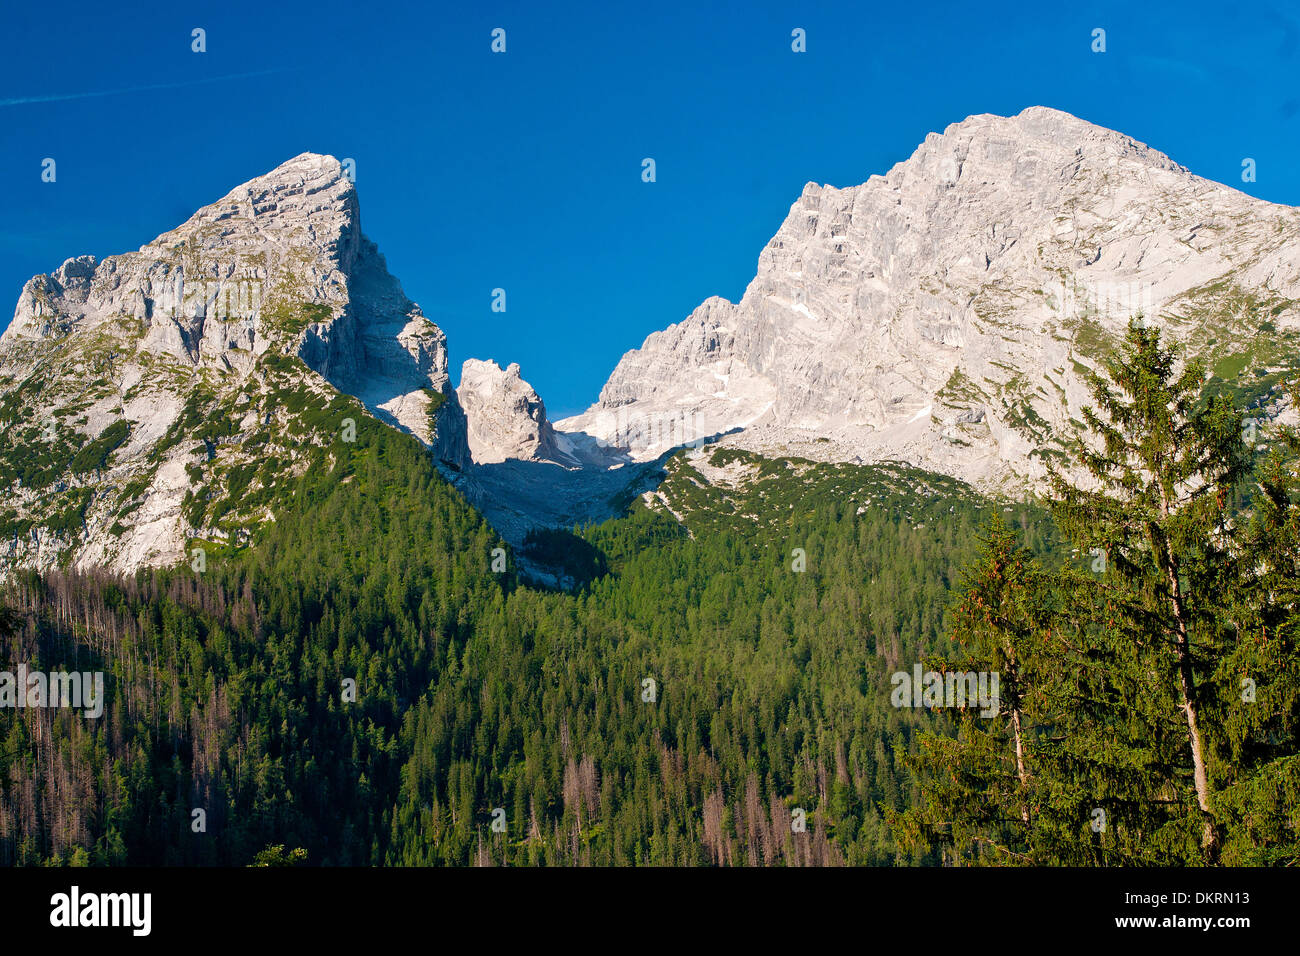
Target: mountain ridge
<point x="891" y="320"/>
<point x="946" y="314"/>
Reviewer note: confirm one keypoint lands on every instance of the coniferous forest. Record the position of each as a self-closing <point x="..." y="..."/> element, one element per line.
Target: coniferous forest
<point x="359" y="687"/>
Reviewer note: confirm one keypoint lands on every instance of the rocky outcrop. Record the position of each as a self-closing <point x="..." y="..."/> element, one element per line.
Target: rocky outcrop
<point x="946" y="313"/>
<point x="504" y="415"/>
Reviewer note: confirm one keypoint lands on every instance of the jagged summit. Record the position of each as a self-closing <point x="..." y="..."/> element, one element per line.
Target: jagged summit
<point x="1057" y="127"/>
<point x="309" y="192"/>
<point x="148" y="346"/>
<point x="1036" y="132"/>
<point x="945" y="313"/>
<point x="996" y="137"/>
<point x="506" y="417"/>
<point x="305" y="160"/>
<point x="306" y="204"/>
<point x="279" y="258"/>
<point x="506" y="420"/>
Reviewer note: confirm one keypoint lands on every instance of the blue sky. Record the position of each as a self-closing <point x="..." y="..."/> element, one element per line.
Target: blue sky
<point x="523" y="170"/>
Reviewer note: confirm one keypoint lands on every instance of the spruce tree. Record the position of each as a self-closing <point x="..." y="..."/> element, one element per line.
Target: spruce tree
<point x="980" y="785"/>
<point x="1162" y="466"/>
<point x="1257" y="699"/>
<point x="1150" y="696"/>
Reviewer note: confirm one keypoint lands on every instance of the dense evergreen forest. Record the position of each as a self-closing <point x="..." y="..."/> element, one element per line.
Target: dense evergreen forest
<point x="359" y="687"/>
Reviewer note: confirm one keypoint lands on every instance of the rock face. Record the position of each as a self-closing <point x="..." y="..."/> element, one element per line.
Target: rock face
<point x="945" y="314"/>
<point x="525" y="475"/>
<point x="186" y="340"/>
<point x="506" y="421"/>
<point x="505" y="416"/>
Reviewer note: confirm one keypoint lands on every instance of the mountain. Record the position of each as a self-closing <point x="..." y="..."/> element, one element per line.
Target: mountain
<point x="944" y="316"/>
<point x="364" y="673"/>
<point x="167" y="399"/>
<point x="170" y="394"/>
<point x="506" y="417"/>
<point x="947" y="313"/>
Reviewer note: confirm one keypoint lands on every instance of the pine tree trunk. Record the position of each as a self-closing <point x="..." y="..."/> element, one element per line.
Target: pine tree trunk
<point x="1020" y="760"/>
<point x="1187" y="690"/>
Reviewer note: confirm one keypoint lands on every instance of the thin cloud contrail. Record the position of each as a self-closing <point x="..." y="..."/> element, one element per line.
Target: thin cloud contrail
<point x="57" y="97"/>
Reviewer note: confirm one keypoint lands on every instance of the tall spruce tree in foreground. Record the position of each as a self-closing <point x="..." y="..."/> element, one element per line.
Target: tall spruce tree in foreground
<point x="1075" y="767"/>
<point x="1163" y="476"/>
<point x="1150" y="708"/>
<point x="980" y="793"/>
<point x="1257" y="703"/>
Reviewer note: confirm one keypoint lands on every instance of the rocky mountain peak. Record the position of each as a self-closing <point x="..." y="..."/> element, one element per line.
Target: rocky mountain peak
<point x="1035" y="150"/>
<point x="946" y="312"/>
<point x="308" y="203"/>
<point x="293" y="231"/>
<point x="189" y="337"/>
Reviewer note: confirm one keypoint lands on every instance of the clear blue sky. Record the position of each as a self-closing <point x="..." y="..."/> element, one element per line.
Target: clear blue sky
<point x="523" y="170"/>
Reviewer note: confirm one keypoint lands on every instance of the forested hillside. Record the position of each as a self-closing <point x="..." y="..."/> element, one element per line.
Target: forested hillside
<point x="225" y="688"/>
<point x="361" y="684"/>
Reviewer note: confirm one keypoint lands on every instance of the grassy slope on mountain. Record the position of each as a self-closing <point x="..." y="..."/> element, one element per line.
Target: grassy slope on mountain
<point x="68" y="451"/>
